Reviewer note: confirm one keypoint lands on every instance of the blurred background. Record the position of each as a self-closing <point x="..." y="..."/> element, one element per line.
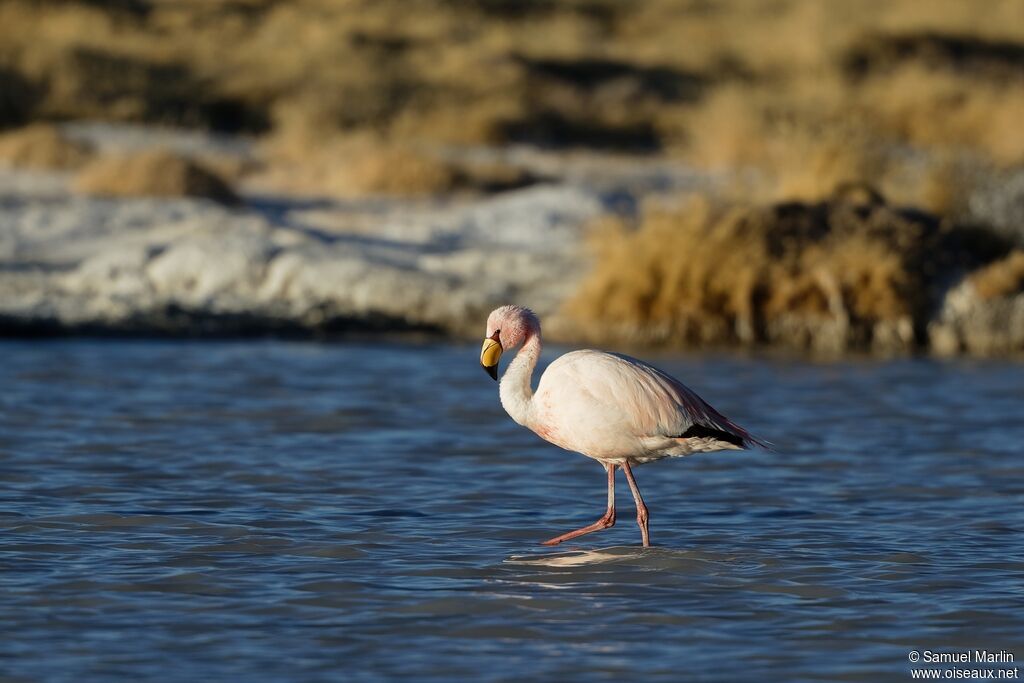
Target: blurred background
<point x="811" y="212"/>
<point x="792" y="173"/>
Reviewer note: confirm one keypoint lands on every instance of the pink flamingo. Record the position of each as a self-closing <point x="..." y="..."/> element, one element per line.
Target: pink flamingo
<point x="615" y="409"/>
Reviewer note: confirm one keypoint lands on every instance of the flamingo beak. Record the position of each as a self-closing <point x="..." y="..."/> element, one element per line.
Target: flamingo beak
<point x="489" y="355"/>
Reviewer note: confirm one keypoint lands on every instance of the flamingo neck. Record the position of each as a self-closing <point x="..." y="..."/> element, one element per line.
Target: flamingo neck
<point x="515" y="390"/>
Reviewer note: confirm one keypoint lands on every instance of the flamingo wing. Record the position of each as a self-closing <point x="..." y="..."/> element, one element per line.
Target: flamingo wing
<point x="658" y="411"/>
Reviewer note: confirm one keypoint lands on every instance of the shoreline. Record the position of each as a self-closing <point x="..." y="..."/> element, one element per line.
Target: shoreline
<point x="309" y="268"/>
<point x="409" y="337"/>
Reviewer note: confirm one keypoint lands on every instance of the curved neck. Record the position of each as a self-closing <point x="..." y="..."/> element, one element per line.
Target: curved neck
<point x="515" y="390"/>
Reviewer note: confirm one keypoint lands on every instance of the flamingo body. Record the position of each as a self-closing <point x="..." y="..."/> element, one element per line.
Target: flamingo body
<point x="614" y="408"/>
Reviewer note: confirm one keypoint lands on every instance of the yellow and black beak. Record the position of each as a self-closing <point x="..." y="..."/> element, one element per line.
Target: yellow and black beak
<point x="490" y="354"/>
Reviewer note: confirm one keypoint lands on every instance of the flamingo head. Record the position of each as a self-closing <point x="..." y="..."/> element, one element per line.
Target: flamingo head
<point x="507" y="327"/>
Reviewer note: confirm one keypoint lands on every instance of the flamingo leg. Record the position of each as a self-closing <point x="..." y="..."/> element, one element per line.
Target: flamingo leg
<point x="605" y="522"/>
<point x="641" y="509"/>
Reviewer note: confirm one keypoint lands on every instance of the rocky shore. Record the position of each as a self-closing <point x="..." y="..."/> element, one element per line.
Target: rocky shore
<point x="185" y="266"/>
<point x="848" y="274"/>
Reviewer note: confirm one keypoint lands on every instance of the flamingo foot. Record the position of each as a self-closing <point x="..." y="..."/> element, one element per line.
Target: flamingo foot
<point x="605" y="522"/>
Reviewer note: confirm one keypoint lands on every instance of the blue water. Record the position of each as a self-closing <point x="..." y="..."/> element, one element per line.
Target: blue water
<point x="267" y="511"/>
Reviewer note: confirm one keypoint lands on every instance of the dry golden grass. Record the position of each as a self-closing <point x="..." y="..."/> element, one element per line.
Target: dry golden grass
<point x="840" y="274"/>
<point x="809" y="93"/>
<point x="1002" y="278"/>
<point x="42" y="147"/>
<point x="152" y="173"/>
<point x="395" y="171"/>
<point x="231" y="168"/>
<point x="795" y="165"/>
<point x="804" y="146"/>
<point x="943" y="110"/>
<point x="358" y="166"/>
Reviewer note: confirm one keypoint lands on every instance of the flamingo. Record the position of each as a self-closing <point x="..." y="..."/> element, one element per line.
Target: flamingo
<point x="615" y="409"/>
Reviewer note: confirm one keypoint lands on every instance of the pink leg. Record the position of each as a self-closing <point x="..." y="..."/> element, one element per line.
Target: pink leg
<point x="641" y="509"/>
<point x="605" y="522"/>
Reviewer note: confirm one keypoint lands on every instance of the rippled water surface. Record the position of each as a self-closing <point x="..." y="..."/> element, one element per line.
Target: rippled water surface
<point x="272" y="511"/>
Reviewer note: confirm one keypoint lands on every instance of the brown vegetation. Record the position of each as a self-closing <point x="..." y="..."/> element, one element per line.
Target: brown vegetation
<point x="811" y="93"/>
<point x="152" y="173"/>
<point x="356" y="166"/>
<point x="1002" y="278"/>
<point x="42" y="147"/>
<point x="849" y="272"/>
